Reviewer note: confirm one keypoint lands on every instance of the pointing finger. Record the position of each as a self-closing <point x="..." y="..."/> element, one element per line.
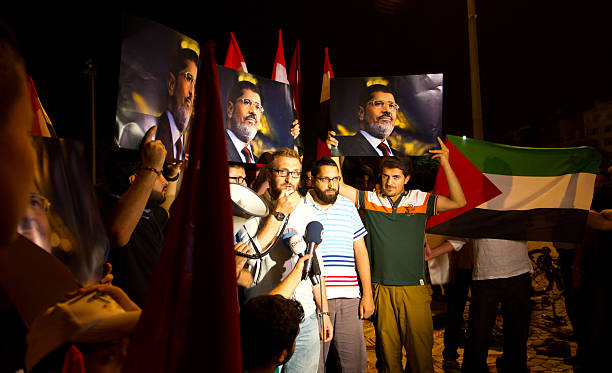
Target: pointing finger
<point x="149" y="135"/>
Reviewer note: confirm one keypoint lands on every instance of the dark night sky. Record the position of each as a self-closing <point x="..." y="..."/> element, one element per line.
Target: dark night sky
<point x="538" y="59"/>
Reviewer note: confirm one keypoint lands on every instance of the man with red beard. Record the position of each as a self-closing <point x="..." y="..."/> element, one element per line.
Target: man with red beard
<point x="344" y="256"/>
<point x="289" y="217"/>
<point x="377" y="113"/>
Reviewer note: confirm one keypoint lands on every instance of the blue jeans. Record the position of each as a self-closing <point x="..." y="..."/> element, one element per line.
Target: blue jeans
<point x="305" y="358"/>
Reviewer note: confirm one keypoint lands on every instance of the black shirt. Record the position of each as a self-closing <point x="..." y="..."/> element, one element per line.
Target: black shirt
<point x="134" y="263"/>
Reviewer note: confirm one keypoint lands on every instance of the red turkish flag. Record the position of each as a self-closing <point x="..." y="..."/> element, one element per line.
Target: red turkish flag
<point x="233" y="58"/>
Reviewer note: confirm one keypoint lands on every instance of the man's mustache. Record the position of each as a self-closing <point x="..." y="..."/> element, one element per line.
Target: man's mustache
<point x="250" y="116"/>
<point x="385" y="115"/>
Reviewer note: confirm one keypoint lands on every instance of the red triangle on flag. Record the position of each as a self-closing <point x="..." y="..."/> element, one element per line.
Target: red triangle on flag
<point x="233" y="58"/>
<point x="477" y="188"/>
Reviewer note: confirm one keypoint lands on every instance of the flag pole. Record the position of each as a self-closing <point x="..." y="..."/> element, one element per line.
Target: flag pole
<point x="474" y="71"/>
<point x="91" y="71"/>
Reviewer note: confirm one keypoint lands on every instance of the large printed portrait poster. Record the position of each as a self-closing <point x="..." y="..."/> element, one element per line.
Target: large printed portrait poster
<point x="258" y="114"/>
<point x="394" y="115"/>
<point x="63" y="217"/>
<point x="157" y="77"/>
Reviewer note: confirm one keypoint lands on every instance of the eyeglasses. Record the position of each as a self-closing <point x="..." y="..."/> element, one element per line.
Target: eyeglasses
<point x="237" y="179"/>
<point x="326" y="179"/>
<point x="379" y="103"/>
<point x="247" y="101"/>
<point x="188" y="77"/>
<point x="284" y="173"/>
<point x="36" y="200"/>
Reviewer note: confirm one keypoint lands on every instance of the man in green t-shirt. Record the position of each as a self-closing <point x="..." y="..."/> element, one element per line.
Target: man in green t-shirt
<point x="396" y="221"/>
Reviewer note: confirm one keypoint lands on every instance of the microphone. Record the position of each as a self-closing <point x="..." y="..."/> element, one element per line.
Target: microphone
<point x="298" y="246"/>
<point x="313" y="237"/>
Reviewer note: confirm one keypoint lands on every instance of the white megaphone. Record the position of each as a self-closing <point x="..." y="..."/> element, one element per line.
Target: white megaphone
<point x="247" y="207"/>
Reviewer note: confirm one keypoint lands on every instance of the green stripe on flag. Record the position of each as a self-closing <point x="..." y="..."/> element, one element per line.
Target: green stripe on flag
<point x="492" y="158"/>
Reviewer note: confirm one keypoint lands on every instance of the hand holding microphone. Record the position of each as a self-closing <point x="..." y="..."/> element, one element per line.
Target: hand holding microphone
<point x="306" y="246"/>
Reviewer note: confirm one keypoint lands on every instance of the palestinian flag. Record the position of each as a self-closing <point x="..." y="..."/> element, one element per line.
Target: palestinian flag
<point x="545" y="193"/>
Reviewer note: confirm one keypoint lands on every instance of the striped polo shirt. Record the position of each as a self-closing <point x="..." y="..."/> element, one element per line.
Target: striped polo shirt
<point x="341" y="226"/>
<point x="396" y="235"/>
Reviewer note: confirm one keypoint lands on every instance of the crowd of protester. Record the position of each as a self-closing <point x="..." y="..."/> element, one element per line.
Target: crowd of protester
<point x="370" y="259"/>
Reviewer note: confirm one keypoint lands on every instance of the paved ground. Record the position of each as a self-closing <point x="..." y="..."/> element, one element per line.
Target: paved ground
<point x="549" y="342"/>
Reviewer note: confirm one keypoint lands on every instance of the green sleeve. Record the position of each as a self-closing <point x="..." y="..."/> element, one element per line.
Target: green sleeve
<point x="432" y="205"/>
<point x="360" y="199"/>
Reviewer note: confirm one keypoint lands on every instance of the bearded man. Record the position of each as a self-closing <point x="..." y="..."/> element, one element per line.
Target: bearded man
<point x="377" y="114"/>
<point x="289" y="217"/>
<point x="344" y="255"/>
<point x="244" y="110"/>
<point x="173" y="123"/>
<point x="140" y="200"/>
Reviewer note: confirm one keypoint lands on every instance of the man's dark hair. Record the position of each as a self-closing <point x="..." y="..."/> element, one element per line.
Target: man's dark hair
<point x="12" y="73"/>
<point x="269" y="324"/>
<point x="120" y="165"/>
<point x="179" y="61"/>
<point x="366" y="94"/>
<point x="403" y="163"/>
<point x="323" y="161"/>
<point x="237" y="89"/>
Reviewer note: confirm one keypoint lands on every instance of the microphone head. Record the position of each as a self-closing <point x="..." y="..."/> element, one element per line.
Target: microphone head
<point x="297" y="244"/>
<point x="314" y="232"/>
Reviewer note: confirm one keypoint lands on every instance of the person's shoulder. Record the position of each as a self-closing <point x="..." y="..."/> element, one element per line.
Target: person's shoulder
<point x="345" y="202"/>
<point x="416" y="197"/>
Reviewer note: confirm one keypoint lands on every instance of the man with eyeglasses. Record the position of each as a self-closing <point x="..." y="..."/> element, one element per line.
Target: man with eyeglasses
<point x="377" y="114"/>
<point x="289" y="216"/>
<point x="172" y="124"/>
<point x="344" y="256"/>
<point x="244" y="110"/>
<point x="237" y="174"/>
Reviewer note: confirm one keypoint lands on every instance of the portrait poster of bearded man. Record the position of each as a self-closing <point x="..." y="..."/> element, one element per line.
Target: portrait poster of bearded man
<point x="62" y="216"/>
<point x="259" y="114"/>
<point x="386" y="116"/>
<point x="158" y="72"/>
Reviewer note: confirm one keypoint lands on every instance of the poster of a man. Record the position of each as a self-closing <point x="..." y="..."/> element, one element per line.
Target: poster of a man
<point x="159" y="68"/>
<point x="61" y="218"/>
<point x="397" y="115"/>
<point x="259" y="115"/>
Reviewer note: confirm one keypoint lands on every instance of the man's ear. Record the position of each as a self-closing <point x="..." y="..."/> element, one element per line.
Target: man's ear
<point x="230" y="109"/>
<point x="361" y="113"/>
<point x="407" y="179"/>
<point x="171" y="84"/>
<point x="281" y="357"/>
<point x="131" y="178"/>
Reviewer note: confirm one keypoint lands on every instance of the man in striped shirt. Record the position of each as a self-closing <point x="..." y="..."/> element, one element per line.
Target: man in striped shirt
<point x="344" y="255"/>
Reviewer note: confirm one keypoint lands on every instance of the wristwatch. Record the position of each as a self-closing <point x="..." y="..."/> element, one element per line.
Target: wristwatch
<point x="279" y="216"/>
